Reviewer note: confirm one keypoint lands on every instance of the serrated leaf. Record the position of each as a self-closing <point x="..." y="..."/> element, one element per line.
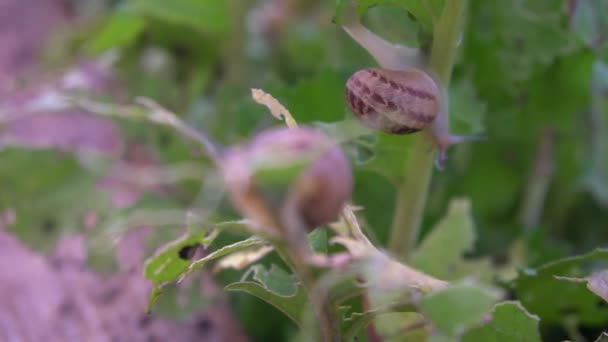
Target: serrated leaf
<point x="510" y="322"/>
<point x="442" y="251"/>
<point x="275" y="280"/>
<point x="459" y="306"/>
<point x="535" y="27"/>
<point x="536" y="289"/>
<point x="277" y="288"/>
<point x="205" y="16"/>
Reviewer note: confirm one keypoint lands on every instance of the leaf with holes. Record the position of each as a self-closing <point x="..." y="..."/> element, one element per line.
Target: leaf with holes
<point x="173" y="259"/>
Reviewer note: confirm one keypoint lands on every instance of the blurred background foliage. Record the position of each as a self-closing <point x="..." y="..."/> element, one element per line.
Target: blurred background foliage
<point x="532" y="77"/>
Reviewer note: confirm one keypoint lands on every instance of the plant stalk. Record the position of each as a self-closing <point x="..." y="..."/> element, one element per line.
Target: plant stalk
<point x="328" y="320"/>
<point x="413" y="190"/>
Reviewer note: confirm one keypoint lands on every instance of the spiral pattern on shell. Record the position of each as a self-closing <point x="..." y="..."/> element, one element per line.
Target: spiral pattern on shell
<point x="393" y="101"/>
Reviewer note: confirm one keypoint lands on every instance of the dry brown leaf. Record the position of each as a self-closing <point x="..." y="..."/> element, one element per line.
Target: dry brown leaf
<point x="240" y="260"/>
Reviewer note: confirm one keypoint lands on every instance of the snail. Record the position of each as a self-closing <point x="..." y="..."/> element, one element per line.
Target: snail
<point x="286" y="177"/>
<point x="402" y="96"/>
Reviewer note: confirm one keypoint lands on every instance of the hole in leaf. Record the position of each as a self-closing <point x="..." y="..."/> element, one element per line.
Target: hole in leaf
<point x="187" y="252"/>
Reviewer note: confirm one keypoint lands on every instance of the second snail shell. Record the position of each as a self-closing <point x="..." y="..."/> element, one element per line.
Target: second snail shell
<point x="393" y="101"/>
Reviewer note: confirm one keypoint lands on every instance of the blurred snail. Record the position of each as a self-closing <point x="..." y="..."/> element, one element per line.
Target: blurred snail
<point x="285" y="177"/>
<point x="292" y="179"/>
<point x="402" y="96"/>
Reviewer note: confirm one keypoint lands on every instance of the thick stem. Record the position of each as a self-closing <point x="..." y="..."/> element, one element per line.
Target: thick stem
<point x="411" y="198"/>
<point x="539" y="181"/>
<point x="412" y="192"/>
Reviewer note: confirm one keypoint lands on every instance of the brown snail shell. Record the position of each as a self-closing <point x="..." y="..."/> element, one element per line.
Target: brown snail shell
<point x="393" y="101"/>
<point x="316" y="195"/>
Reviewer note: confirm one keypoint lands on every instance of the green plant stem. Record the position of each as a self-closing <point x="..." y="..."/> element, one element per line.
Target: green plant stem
<point x="326" y="315"/>
<point x="413" y="190"/>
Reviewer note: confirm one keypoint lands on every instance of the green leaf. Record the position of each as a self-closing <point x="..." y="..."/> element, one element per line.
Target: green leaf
<point x="459" y="306"/>
<point x="442" y="251"/>
<point x="319" y="98"/>
<point x="318" y="240"/>
<point x="425" y="11"/>
<point x="510" y="323"/>
<point x="205" y="16"/>
<point x="167" y="265"/>
<point x="171" y="263"/>
<point x="398" y="326"/>
<point x="536" y="288"/>
<point x="521" y="36"/>
<point x="467" y="112"/>
<point x="275" y="280"/>
<point x="41" y="187"/>
<point x="276" y="287"/>
<point x="356" y="322"/>
<point x="389" y="152"/>
<point x="378" y="152"/>
<point x="121" y="29"/>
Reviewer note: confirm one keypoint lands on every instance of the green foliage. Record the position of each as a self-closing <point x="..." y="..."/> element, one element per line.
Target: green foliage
<point x="426" y="12"/>
<point x="172" y="260"/>
<point x="45" y="184"/>
<point x="276" y="287"/>
<point x="204" y="16"/>
<point x="121" y="29"/>
<point x="442" y="252"/>
<point x="510" y="322"/>
<point x="536" y="289"/>
<point x="531" y="77"/>
<point x="458" y="307"/>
